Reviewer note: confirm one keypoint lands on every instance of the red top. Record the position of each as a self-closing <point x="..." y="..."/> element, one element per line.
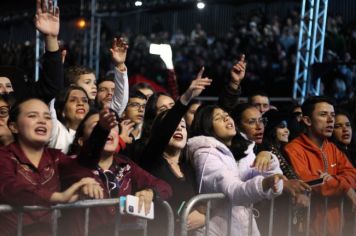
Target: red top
<point x="21" y="183"/>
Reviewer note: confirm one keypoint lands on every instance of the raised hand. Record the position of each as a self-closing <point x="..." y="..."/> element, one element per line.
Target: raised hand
<point x="119" y="51"/>
<point x="47" y="18"/>
<point x="196" y="87"/>
<point x="238" y="72"/>
<point x="107" y="119"/>
<point x="126" y="127"/>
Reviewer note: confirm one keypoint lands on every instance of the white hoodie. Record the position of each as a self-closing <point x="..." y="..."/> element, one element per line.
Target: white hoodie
<point x="218" y="172"/>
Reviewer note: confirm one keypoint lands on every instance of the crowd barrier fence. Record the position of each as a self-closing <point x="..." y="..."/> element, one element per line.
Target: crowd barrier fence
<point x="141" y="224"/>
<point x="208" y="198"/>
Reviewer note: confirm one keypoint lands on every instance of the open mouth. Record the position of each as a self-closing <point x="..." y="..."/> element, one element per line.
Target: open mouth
<point x="41" y="130"/>
<point x="80" y="111"/>
<point x="259" y="136"/>
<point x="229" y="126"/>
<point x="178" y="136"/>
<point x="93" y="94"/>
<point x="346" y="136"/>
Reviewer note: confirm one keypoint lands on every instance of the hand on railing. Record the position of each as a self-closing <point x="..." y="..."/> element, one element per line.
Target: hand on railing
<point x="301" y="200"/>
<point x="295" y="186"/>
<point x="272" y="182"/>
<point x="92" y="189"/>
<point x="72" y="193"/>
<point x="195" y="220"/>
<point x="145" y="197"/>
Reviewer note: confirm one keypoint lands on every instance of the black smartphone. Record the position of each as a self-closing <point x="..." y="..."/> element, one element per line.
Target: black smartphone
<point x="315" y="182"/>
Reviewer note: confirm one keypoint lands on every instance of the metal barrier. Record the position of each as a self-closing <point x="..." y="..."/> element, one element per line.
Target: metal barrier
<point x="208" y="198"/>
<point x="141" y="224"/>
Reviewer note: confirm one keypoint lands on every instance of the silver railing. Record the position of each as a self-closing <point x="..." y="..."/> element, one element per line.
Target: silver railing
<point x="140" y="224"/>
<point x="272" y="223"/>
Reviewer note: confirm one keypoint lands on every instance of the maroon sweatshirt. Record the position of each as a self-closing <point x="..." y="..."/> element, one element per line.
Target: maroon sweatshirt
<point x="21" y="183"/>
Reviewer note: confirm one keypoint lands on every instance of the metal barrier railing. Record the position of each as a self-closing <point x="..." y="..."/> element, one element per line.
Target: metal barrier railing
<point x="140" y="224"/>
<point x="208" y="198"/>
<point x="197" y="199"/>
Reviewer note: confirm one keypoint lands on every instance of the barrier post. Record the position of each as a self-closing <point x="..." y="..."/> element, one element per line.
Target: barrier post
<point x="191" y="203"/>
<point x="271" y="215"/>
<point x="54" y="216"/>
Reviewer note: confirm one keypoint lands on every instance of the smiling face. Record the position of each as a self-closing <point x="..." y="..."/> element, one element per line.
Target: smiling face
<point x="112" y="139"/>
<point x="282" y="132"/>
<point x="33" y="125"/>
<point x="179" y="137"/>
<point x="252" y="124"/>
<point x="5" y="85"/>
<point x="88" y="83"/>
<point x="76" y="108"/>
<point x="342" y="129"/>
<point x="223" y="126"/>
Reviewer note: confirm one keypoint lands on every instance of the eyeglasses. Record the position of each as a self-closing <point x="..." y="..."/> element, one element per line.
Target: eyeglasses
<point x="112" y="184"/>
<point x="4" y="111"/>
<point x="137" y="105"/>
<point x="255" y="122"/>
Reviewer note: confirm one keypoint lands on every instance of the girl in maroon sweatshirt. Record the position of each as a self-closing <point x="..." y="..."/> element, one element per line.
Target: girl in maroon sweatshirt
<point x="31" y="174"/>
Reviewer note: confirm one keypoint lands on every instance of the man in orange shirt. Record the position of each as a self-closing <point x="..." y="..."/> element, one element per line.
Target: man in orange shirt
<point x="313" y="157"/>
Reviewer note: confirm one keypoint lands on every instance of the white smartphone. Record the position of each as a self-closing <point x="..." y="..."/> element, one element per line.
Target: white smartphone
<point x="129" y="205"/>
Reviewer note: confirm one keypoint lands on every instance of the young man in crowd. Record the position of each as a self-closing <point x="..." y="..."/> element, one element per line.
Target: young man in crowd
<point x="313" y="157"/>
<point x="260" y="100"/>
<point x="135" y="111"/>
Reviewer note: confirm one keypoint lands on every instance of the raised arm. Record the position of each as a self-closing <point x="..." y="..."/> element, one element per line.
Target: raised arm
<point x="159" y="140"/>
<point x="51" y="80"/>
<point x="229" y="97"/>
<point x="92" y="147"/>
<point x="121" y="92"/>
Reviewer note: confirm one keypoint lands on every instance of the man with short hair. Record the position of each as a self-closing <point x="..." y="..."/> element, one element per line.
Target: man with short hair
<point x="135" y="111"/>
<point x="313" y="157"/>
<point x="260" y="100"/>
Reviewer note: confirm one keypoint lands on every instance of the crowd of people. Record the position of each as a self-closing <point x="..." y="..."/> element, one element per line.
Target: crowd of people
<point x="72" y="136"/>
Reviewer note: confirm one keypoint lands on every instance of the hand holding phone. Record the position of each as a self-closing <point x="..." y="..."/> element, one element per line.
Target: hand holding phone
<point x="315" y="182"/>
<point x="130" y="205"/>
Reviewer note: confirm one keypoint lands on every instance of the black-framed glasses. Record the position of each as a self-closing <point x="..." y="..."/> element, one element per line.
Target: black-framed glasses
<point x="111" y="182"/>
<point x="4" y="111"/>
<point x="255" y="122"/>
<point x="137" y="105"/>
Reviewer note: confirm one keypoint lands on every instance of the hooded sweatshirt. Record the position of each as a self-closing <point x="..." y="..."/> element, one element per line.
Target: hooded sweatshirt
<point x="308" y="161"/>
<point x="218" y="172"/>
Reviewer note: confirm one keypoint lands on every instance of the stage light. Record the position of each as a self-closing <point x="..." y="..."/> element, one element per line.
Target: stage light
<point x="200" y="5"/>
<point x="138" y="3"/>
<point x="81" y="23"/>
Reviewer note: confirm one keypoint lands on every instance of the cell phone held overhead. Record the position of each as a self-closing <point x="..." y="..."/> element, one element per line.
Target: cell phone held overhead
<point x="129" y="205"/>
